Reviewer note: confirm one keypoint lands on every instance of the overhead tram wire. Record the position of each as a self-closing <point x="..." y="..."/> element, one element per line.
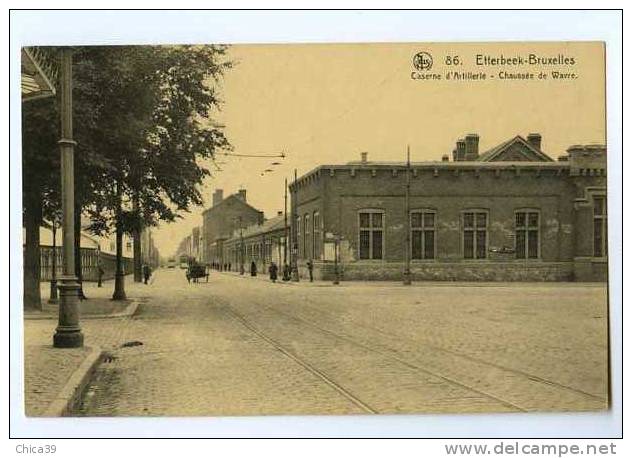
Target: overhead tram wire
<point x="350" y="109"/>
<point x="281" y="155"/>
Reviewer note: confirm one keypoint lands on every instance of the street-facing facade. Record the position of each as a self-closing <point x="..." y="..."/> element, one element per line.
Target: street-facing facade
<point x="509" y="214"/>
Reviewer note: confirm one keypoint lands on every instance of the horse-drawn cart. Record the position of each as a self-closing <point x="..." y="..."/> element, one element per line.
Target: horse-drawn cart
<point x="197" y="271"/>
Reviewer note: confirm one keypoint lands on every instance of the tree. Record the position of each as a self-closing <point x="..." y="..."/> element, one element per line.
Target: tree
<point x="142" y="123"/>
<point x="40" y="157"/>
<point x="41" y="170"/>
<point x="156" y="163"/>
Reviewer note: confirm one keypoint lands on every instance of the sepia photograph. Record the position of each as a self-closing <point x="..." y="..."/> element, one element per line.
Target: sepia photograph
<point x="315" y="229"/>
<point x="268" y="229"/>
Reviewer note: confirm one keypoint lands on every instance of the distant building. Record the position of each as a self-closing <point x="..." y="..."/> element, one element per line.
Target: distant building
<point x="184" y="248"/>
<point x="262" y="243"/>
<point x="195" y="244"/>
<point x="222" y="219"/>
<point x="511" y="213"/>
<point x="149" y="252"/>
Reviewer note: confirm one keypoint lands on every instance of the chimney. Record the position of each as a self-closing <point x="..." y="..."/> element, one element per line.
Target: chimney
<point x="445" y="158"/>
<point x="218" y="196"/>
<point x="241" y="194"/>
<point x="471" y="147"/>
<point x="460" y="150"/>
<point x="364" y="157"/>
<point x="535" y="140"/>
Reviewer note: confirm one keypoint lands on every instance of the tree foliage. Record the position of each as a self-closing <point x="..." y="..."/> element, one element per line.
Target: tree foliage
<point x="142" y="121"/>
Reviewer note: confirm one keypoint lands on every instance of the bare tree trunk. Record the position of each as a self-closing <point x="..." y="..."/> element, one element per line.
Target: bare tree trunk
<point x="138" y="268"/>
<point x="32" y="221"/>
<point x="53" y="279"/>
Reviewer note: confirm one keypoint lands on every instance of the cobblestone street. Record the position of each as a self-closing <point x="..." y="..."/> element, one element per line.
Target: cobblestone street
<point x="243" y="346"/>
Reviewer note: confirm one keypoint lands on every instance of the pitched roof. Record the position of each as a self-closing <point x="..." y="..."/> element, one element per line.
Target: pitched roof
<point x="232" y="197"/>
<point x="269" y="225"/>
<point x="491" y="154"/>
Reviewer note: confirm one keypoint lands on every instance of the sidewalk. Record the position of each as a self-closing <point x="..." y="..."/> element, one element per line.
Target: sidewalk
<point x="54" y="378"/>
<point x="304" y="282"/>
<point x="266" y="278"/>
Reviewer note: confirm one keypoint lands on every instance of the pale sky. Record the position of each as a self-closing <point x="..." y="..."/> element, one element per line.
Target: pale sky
<point x="324" y="104"/>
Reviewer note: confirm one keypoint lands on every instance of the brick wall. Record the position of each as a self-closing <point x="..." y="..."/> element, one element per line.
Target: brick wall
<point x="443" y="271"/>
<point x="340" y="192"/>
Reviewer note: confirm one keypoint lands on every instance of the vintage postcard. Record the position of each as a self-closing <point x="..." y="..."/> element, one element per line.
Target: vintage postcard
<point x="314" y="229"/>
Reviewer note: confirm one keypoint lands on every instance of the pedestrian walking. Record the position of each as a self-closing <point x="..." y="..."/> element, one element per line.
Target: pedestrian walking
<point x="253" y="269"/>
<point x="273" y="269"/>
<point x="310" y="269"/>
<point x="286" y="272"/>
<point x="146" y="272"/>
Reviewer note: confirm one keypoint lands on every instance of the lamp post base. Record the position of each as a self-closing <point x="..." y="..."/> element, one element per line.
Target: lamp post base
<point x="68" y="338"/>
<point x="68" y="333"/>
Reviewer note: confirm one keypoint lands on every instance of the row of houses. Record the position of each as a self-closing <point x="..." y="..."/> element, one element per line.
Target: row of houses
<point x="510" y="213"/>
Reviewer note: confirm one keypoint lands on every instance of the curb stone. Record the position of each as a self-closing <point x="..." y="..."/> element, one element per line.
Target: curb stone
<point x="130" y="310"/>
<point x="71" y="393"/>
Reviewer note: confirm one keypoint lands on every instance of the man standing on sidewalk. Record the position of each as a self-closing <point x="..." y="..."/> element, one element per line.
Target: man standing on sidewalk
<point x="100" y="273"/>
<point x="146" y="272"/>
<point x="273" y="269"/>
<point x="310" y="268"/>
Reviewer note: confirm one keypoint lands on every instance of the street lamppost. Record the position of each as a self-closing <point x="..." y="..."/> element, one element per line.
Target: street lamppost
<point x="68" y="332"/>
<point x="407" y="279"/>
<point x="119" y="275"/>
<point x="294" y="260"/>
<point x="285" y="225"/>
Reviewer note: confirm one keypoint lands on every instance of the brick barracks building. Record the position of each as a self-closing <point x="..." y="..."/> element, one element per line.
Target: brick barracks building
<point x="509" y="214"/>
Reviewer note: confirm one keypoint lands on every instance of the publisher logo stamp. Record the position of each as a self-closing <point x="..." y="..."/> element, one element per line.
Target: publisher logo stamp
<point x="422" y="61"/>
